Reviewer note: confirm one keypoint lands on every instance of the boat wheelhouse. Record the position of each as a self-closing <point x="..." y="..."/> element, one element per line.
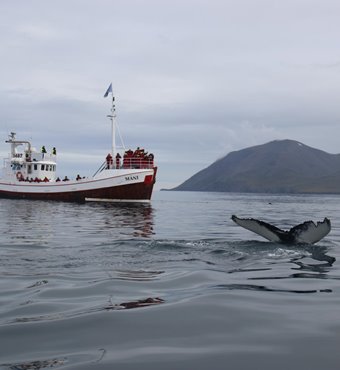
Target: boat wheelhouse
<point x="28" y="164"/>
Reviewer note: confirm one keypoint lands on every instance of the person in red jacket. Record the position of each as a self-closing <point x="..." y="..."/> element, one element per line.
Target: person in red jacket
<point x="109" y="161"/>
<point x="118" y="157"/>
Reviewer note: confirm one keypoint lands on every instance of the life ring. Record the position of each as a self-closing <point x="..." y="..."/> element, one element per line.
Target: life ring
<point x="19" y="176"/>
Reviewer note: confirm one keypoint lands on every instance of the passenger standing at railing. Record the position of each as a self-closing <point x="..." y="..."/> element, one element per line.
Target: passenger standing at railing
<point x="150" y="158"/>
<point x="127" y="158"/>
<point x="134" y="158"/>
<point x="137" y="151"/>
<point x="144" y="160"/>
<point x="43" y="151"/>
<point x="109" y="161"/>
<point x="118" y="157"/>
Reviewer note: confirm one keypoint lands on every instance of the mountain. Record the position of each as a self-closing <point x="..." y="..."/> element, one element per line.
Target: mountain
<point x="280" y="166"/>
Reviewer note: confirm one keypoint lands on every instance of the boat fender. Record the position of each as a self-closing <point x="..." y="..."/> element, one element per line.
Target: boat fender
<point x="19" y="176"/>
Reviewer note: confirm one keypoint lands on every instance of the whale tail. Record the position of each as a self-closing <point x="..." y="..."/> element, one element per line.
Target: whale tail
<point x="306" y="233"/>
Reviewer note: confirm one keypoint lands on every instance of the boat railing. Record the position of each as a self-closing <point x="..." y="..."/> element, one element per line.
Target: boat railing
<point x="101" y="168"/>
<point x="38" y="157"/>
<point x="136" y="163"/>
<point x="126" y="164"/>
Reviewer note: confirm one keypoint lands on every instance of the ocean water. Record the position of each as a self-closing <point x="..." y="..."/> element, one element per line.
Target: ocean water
<point x="173" y="284"/>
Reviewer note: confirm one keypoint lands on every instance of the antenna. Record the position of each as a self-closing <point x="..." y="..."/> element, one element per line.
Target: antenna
<point x="114" y="126"/>
<point x="112" y="117"/>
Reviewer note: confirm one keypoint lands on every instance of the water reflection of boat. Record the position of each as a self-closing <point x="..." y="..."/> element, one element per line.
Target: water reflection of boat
<point x="102" y="221"/>
<point x="31" y="174"/>
<point x="134" y="219"/>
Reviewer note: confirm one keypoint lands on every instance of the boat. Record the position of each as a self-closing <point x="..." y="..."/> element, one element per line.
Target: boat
<point x="125" y="175"/>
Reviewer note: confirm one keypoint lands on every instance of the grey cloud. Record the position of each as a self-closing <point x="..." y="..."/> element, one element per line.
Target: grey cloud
<point x="194" y="79"/>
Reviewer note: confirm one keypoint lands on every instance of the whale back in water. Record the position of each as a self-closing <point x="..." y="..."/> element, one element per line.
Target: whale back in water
<point x="306" y="233"/>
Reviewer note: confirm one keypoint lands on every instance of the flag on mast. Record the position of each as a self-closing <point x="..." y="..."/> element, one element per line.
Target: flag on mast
<point x="109" y="90"/>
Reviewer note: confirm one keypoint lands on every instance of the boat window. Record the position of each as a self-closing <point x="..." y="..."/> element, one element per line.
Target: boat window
<point x="35" y="167"/>
<point x="42" y="167"/>
<point x="47" y="167"/>
<point x="29" y="169"/>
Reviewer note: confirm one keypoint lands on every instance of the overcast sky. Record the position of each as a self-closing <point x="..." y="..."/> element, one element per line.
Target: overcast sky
<point x="193" y="79"/>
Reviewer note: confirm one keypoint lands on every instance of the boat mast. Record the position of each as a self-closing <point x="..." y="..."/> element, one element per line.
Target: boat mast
<point x="112" y="117"/>
<point x="114" y="126"/>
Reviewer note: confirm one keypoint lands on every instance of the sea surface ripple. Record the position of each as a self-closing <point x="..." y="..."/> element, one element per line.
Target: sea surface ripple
<point x="173" y="284"/>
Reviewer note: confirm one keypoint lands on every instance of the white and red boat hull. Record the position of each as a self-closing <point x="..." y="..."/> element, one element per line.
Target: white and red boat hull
<point x="109" y="185"/>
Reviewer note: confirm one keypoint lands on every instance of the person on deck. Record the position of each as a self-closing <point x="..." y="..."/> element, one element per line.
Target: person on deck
<point x="150" y="158"/>
<point x="127" y="159"/>
<point x="118" y="157"/>
<point x="43" y="151"/>
<point x="109" y="161"/>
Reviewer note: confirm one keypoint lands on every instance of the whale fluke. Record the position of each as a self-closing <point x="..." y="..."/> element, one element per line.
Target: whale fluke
<point x="306" y="233"/>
